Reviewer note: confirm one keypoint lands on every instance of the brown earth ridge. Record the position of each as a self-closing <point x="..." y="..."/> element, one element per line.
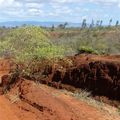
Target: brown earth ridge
<point x="33" y="101"/>
<point x="99" y="74"/>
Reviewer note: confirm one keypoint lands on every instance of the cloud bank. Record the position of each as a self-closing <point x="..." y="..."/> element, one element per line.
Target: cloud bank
<point x="58" y="10"/>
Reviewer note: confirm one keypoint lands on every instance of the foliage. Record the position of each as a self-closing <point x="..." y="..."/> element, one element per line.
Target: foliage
<point x="104" y="40"/>
<point x="33" y="45"/>
<point x="86" y="49"/>
<point x="29" y="47"/>
<point x="29" y="42"/>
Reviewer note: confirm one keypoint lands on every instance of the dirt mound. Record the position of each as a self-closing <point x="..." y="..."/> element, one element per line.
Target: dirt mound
<point x="32" y="101"/>
<point x="99" y="74"/>
<point x="38" y="102"/>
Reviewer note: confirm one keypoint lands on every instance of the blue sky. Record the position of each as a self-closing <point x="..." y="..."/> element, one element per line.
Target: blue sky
<point x="59" y="10"/>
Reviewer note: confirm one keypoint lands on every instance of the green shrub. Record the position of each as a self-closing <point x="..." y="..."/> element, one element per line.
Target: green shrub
<point x="27" y="43"/>
<point x="86" y="49"/>
<point x="30" y="47"/>
<point x="102" y="40"/>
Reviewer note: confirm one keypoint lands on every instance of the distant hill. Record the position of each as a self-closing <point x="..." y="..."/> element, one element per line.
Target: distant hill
<point x="36" y="23"/>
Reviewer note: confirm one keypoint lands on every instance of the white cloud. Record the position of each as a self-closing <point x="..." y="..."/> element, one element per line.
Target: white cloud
<point x="51" y="8"/>
<point x="34" y="5"/>
<point x="5" y="3"/>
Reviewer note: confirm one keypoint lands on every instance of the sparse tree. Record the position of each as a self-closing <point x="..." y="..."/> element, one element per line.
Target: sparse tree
<point x="101" y="22"/>
<point x="3" y="27"/>
<point x="110" y="22"/>
<point x="62" y="26"/>
<point x="65" y="24"/>
<point x="97" y="23"/>
<point x="92" y="24"/>
<point x="84" y="24"/>
<point x="52" y="28"/>
<point x="24" y="25"/>
<point x="117" y="23"/>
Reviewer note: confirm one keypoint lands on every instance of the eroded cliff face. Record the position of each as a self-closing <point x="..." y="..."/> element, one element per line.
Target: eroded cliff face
<point x="99" y="74"/>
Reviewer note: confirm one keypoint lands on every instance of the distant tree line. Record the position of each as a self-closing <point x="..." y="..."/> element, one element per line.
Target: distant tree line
<point x="84" y="24"/>
<point x="98" y="23"/>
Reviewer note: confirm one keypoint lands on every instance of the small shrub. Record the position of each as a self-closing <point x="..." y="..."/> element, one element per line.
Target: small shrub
<point x="85" y="49"/>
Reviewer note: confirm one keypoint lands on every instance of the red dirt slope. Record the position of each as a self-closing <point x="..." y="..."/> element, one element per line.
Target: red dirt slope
<point x="31" y="101"/>
<point x="40" y="102"/>
<point x="99" y="74"/>
<point x="6" y="112"/>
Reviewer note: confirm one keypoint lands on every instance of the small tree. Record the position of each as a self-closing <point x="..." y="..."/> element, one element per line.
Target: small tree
<point x="117" y="23"/>
<point x="52" y="28"/>
<point x="97" y="23"/>
<point x="84" y="24"/>
<point x="62" y="26"/>
<point x="3" y="27"/>
<point x="110" y="22"/>
<point x="101" y="22"/>
<point x="65" y="24"/>
<point x="92" y="24"/>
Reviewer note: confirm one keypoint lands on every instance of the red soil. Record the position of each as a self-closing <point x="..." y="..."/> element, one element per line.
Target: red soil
<point x="38" y="102"/>
<point x="6" y="113"/>
<point x="5" y="107"/>
<point x="99" y="74"/>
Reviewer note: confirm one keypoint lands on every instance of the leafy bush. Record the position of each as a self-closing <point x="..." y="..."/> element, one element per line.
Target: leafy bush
<point x="27" y="43"/>
<point x="103" y="40"/>
<point x="30" y="48"/>
<point x="86" y="49"/>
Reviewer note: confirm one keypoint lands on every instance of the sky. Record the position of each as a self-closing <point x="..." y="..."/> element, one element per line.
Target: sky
<point x="59" y="10"/>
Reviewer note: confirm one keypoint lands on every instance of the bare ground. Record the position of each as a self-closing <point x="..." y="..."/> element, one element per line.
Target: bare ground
<point x="28" y="100"/>
<point x="39" y="102"/>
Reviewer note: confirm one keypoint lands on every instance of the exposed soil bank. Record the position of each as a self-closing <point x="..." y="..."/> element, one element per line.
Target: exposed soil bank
<point x="39" y="102"/>
<point x="99" y="74"/>
<point x="33" y="101"/>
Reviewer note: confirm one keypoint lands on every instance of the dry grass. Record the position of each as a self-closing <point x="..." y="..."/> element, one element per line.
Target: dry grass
<point x="85" y="96"/>
<point x="13" y="98"/>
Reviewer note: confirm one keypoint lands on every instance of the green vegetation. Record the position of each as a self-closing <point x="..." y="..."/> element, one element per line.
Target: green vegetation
<point x="103" y="40"/>
<point x="27" y="43"/>
<point x="29" y="46"/>
<point x="35" y="46"/>
<point x="87" y="49"/>
<point x="35" y="42"/>
<point x="30" y="42"/>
